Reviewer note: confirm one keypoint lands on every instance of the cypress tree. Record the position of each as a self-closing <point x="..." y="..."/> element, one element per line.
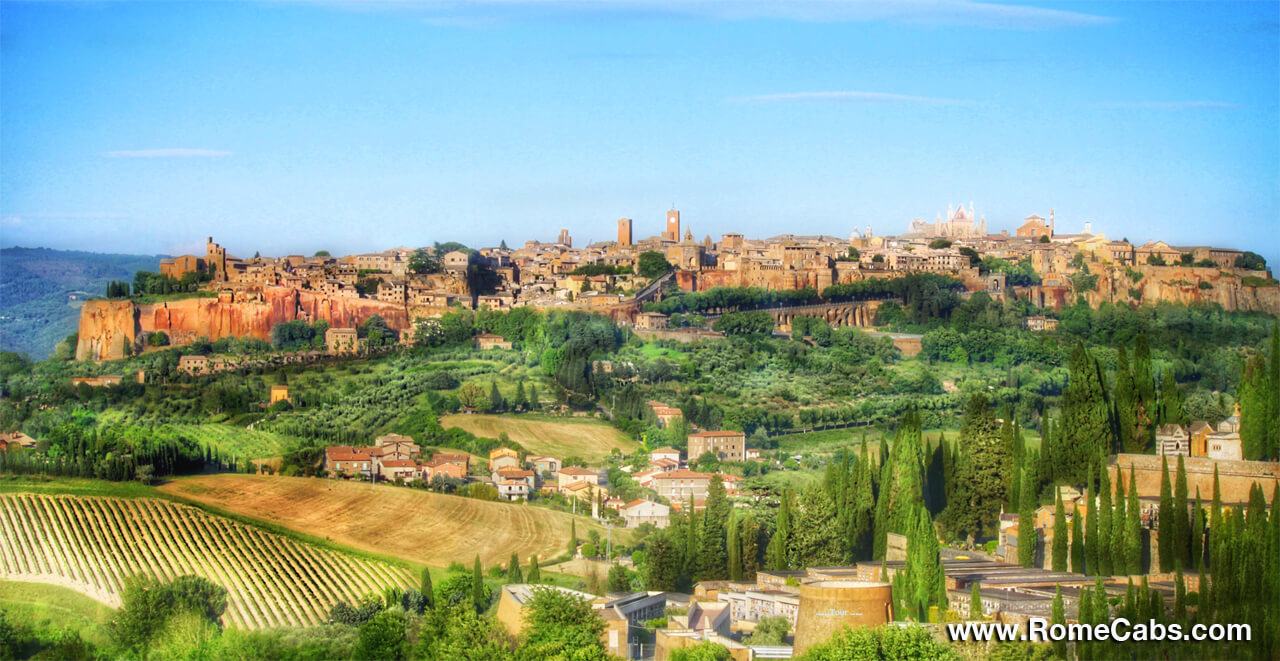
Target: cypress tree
<point x="1077" y="544"/>
<point x="712" y="563"/>
<point x="573" y="539"/>
<point x="1059" y="535"/>
<point x="1179" y="597"/>
<point x="1008" y="469"/>
<point x="1197" y="533"/>
<point x="1091" y="531"/>
<point x="1048" y="450"/>
<point x="734" y="548"/>
<point x="1255" y="404"/>
<point x="1164" y="522"/>
<point x="1119" y="522"/>
<point x="513" y="570"/>
<point x="478" y="597"/>
<point x="975" y="603"/>
<point x="425" y="588"/>
<point x="750" y="548"/>
<point x="1133" y="528"/>
<point x="1104" y="522"/>
<point x="534" y="574"/>
<point x="1126" y="404"/>
<point x="1086" y="430"/>
<point x="1027" y="535"/>
<point x="778" y="552"/>
<point x="980" y="488"/>
<point x="1144" y="383"/>
<point x="1084" y="613"/>
<point x="1170" y="400"/>
<point x="1181" y="523"/>
<point x="1059" y="616"/>
<point x="1273" y="378"/>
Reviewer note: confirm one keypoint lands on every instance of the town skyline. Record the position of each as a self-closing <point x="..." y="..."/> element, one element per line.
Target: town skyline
<point x="302" y="126"/>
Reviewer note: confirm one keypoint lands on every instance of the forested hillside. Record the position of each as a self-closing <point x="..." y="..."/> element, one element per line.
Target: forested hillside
<point x="41" y="291"/>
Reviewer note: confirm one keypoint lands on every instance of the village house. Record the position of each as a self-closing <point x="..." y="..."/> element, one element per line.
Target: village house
<point x="725" y="445"/>
<point x="397" y="446"/>
<point x="16" y="439"/>
<point x="642" y="511"/>
<point x="512" y="489"/>
<point x="341" y="341"/>
<point x="490" y="341"/>
<point x="194" y="365"/>
<point x="503" y="458"/>
<point x="572" y="475"/>
<point x="584" y="490"/>
<point x="668" y="453"/>
<point x="681" y="485"/>
<point x="541" y="464"/>
<point x="398" y="470"/>
<point x="1041" y="323"/>
<point x="444" y="468"/>
<point x="460" y="458"/>
<point x="279" y="393"/>
<point x="346" y="460"/>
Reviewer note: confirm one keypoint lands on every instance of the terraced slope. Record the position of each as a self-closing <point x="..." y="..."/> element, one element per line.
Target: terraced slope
<point x="92" y="544"/>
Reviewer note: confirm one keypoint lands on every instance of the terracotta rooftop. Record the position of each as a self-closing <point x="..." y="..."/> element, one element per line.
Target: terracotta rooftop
<point x="726" y="432"/>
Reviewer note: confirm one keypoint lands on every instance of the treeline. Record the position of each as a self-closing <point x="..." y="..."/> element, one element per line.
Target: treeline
<point x="148" y="283"/>
<point x="730" y="299"/>
<point x="115" y="452"/>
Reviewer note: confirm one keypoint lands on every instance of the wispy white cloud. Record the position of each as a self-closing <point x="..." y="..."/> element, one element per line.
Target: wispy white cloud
<point x="934" y="12"/>
<point x="848" y="97"/>
<point x="167" y="153"/>
<point x="1167" y="105"/>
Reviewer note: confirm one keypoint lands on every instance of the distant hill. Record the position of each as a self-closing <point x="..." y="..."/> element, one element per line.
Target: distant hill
<point x="41" y="291"/>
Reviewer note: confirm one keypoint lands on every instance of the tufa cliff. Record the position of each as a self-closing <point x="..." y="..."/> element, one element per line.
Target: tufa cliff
<point x="107" y="326"/>
<point x="1185" y="285"/>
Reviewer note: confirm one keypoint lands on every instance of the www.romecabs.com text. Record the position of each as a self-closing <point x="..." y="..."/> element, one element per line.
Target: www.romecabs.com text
<point x="1040" y="630"/>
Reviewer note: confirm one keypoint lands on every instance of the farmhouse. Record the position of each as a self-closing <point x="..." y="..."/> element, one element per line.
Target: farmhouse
<point x="491" y="341"/>
<point x="460" y="458"/>
<point x="682" y="485"/>
<point x="193" y="365"/>
<point x="513" y="489"/>
<point x="541" y="463"/>
<point x="567" y="477"/>
<point x="341" y="341"/>
<point x="346" y="460"/>
<point x="443" y="468"/>
<point x="725" y="445"/>
<point x="398" y="470"/>
<point x="279" y="393"/>
<point x="668" y="453"/>
<point x="503" y="458"/>
<point x="397" y="446"/>
<point x="641" y="511"/>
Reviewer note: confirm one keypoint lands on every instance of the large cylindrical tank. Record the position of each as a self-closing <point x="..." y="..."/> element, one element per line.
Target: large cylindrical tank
<point x="826" y="607"/>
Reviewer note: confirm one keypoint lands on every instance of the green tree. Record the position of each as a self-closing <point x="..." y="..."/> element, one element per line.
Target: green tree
<point x="1028" y="536"/>
<point x="652" y="264"/>
<point x="1085" y="431"/>
<point x="1091" y="530"/>
<point x="479" y="593"/>
<point x="734" y="549"/>
<point x="425" y="260"/>
<point x="749" y="536"/>
<point x="1060" y="541"/>
<point x="1077" y="545"/>
<point x="1133" y="528"/>
<point x="561" y="625"/>
<point x="1105" y="512"/>
<point x="1179" y="545"/>
<point x="778" y="553"/>
<point x="975" y="603"/>
<point x="712" y="560"/>
<point x="1170" y="401"/>
<point x="770" y="630"/>
<point x="425" y="588"/>
<point x="1255" y="407"/>
<point x="534" y="574"/>
<point x="1164" y="521"/>
<point x="817" y="536"/>
<point x="496" y="402"/>
<point x="703" y="651"/>
<point x="979" y="489"/>
<point x="573" y="539"/>
<point x="513" y="570"/>
<point x="618" y="580"/>
<point x="383" y="636"/>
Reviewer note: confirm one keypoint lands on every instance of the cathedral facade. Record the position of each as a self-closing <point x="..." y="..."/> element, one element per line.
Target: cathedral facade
<point x="960" y="224"/>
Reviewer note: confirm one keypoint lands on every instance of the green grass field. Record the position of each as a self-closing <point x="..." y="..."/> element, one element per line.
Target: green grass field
<point x="43" y="607"/>
<point x="236" y="440"/>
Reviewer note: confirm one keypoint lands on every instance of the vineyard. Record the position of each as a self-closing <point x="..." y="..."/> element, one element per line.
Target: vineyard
<point x="92" y="544"/>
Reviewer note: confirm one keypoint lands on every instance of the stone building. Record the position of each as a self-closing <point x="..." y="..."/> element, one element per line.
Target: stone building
<point x="725" y="445"/>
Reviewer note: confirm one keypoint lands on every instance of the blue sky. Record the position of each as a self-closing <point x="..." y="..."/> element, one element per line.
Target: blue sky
<point x="288" y="127"/>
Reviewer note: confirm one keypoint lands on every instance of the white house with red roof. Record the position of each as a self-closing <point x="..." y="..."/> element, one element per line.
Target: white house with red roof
<point x="641" y="511"/>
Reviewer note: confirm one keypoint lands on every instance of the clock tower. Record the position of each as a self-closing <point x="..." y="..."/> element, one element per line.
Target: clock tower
<point x="673" y="226"/>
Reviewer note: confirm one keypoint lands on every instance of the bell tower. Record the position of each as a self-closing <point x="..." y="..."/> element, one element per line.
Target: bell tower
<point x="673" y="226"/>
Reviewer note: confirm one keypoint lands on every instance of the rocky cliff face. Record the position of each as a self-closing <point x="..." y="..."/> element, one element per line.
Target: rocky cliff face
<point x="106" y="326"/>
<point x="1182" y="284"/>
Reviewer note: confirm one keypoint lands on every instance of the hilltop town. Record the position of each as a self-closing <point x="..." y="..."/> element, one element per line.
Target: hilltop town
<point x="1033" y="262"/>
